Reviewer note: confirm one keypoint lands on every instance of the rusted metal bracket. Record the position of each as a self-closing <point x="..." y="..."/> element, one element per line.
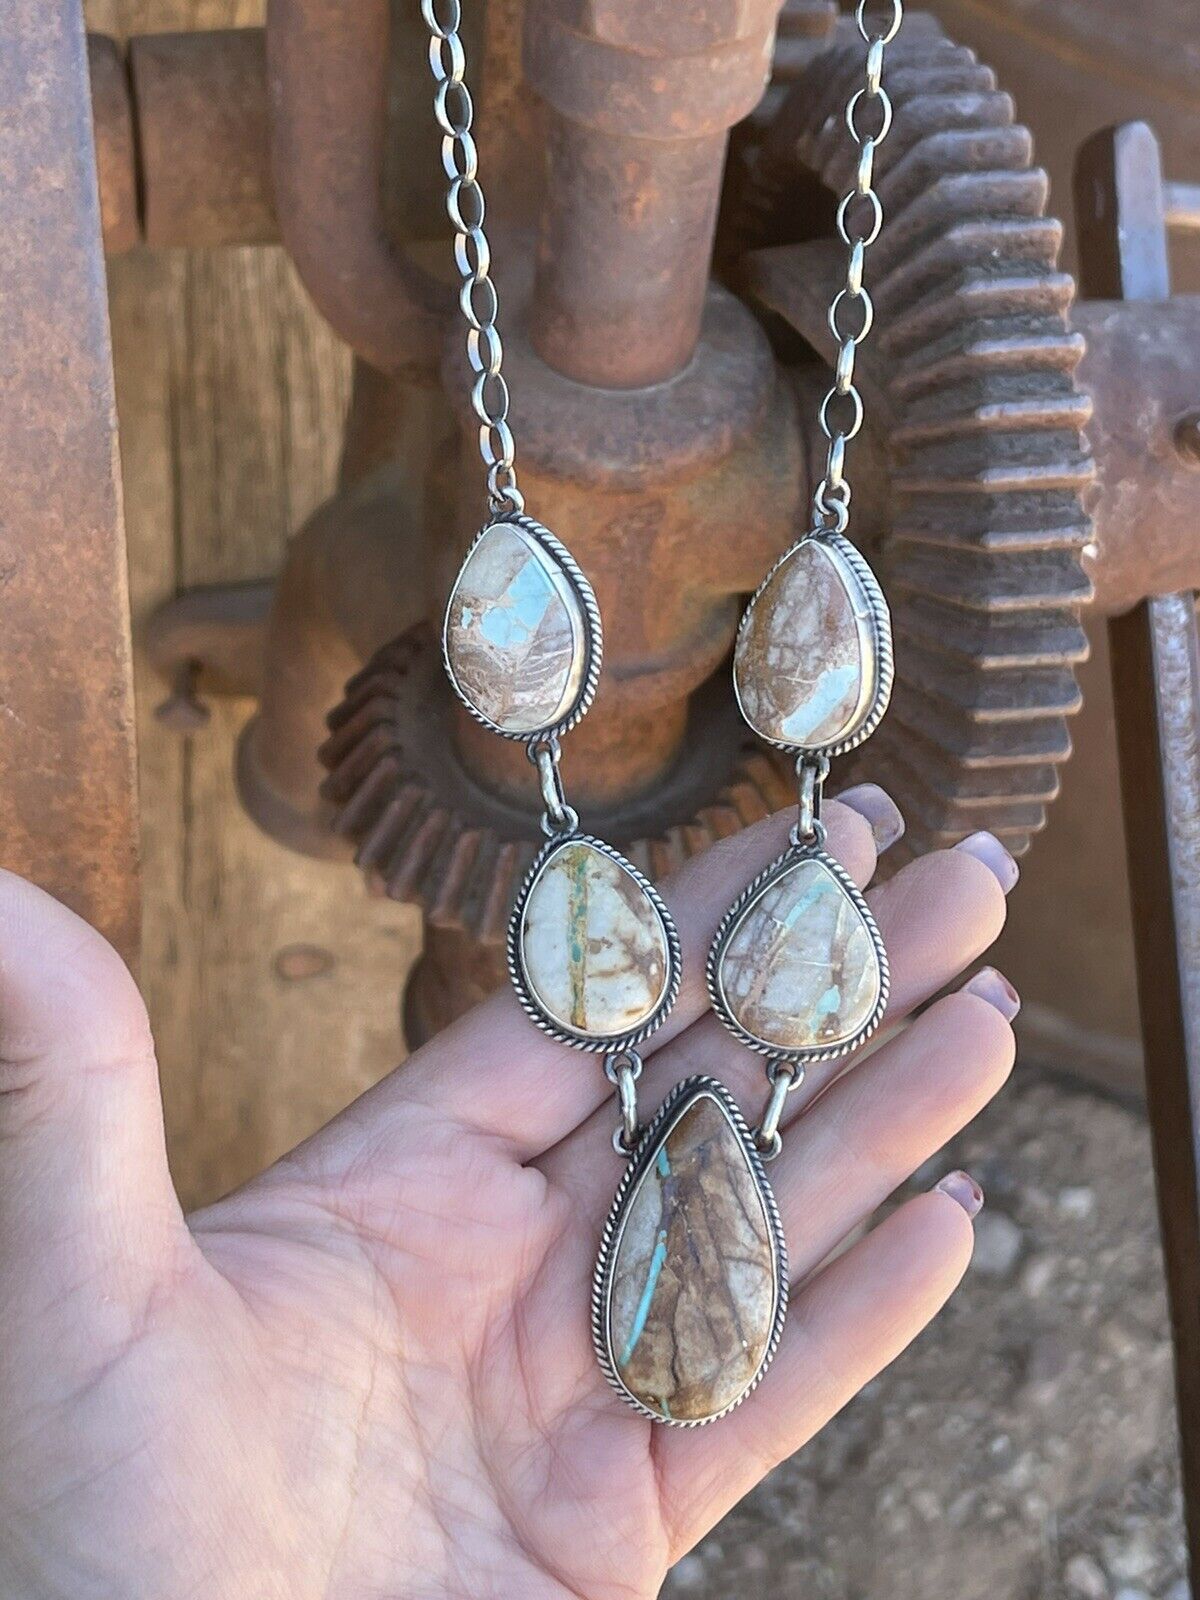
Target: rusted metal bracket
<point x="1156" y="678"/>
<point x="67" y="769"/>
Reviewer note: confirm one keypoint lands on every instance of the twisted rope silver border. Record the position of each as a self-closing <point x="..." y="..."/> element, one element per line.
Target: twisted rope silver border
<point x="593" y="628"/>
<point x="732" y="917"/>
<point x="881" y="620"/>
<point x="687" y="1090"/>
<point x="516" y="959"/>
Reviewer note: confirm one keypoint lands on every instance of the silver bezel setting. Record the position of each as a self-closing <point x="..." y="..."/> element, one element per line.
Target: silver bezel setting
<point x="681" y="1097"/>
<point x="593" y="630"/>
<point x="733" y="916"/>
<point x="516" y="957"/>
<point x="881" y="621"/>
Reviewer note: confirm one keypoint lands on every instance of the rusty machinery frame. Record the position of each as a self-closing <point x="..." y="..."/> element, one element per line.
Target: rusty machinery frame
<point x="1122" y="214"/>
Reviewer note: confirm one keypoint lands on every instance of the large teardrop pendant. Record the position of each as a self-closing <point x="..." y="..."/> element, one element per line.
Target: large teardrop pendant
<point x="691" y="1282"/>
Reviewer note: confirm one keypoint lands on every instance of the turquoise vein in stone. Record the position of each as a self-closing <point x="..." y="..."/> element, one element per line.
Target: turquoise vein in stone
<point x="593" y="946"/>
<point x="663" y="1163"/>
<point x="695" y="1278"/>
<point x="800" y="969"/>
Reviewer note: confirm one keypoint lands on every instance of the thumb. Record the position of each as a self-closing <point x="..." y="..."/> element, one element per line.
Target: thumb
<point x="85" y="1196"/>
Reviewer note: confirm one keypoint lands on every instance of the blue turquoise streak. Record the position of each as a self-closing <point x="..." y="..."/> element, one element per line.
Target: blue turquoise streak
<point x="656" y="1265"/>
<point x="828" y="693"/>
<point x="517" y="614"/>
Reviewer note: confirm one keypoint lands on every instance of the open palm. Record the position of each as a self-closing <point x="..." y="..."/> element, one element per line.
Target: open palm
<point x="369" y="1373"/>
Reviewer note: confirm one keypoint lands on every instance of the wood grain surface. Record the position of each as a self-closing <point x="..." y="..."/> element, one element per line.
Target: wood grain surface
<point x="272" y="980"/>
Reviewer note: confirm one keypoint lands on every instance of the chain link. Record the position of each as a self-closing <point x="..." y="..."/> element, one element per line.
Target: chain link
<point x="859" y="221"/>
<point x="784" y="1078"/>
<point x="478" y="300"/>
<point x="623" y="1071"/>
<point x="558" y="817"/>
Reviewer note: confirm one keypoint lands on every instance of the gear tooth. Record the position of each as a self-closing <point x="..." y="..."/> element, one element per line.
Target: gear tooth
<point x="359" y="793"/>
<point x="975" y="354"/>
<point x="512" y="860"/>
<point x="355" y="759"/>
<point x="667" y="854"/>
<point x="721" y="821"/>
<point x="941" y="820"/>
<point x="1016" y="299"/>
<point x="973" y="250"/>
<point x="379" y="841"/>
<point x="406" y="868"/>
<point x="1019" y="194"/>
<point x="748" y="802"/>
<point x="449" y="893"/>
<point x="1048" y="691"/>
<point x="991" y="641"/>
<point x="979" y="580"/>
<point x="977" y="743"/>
<point x="367" y="714"/>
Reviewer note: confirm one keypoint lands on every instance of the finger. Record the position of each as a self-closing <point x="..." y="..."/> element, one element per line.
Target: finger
<point x="936" y="916"/>
<point x="84" y="1186"/>
<point x="496" y="1073"/>
<point x="875" y="1126"/>
<point x="842" y="1329"/>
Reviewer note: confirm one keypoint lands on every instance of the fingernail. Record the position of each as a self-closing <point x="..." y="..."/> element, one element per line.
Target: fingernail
<point x="995" y="988"/>
<point x="963" y="1190"/>
<point x="877" y="808"/>
<point x="987" y="848"/>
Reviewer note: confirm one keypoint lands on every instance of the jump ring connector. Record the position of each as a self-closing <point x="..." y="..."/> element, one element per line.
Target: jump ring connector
<point x="559" y="817"/>
<point x="811" y="772"/>
<point x="784" y="1077"/>
<point x="831" y="511"/>
<point x="624" y="1069"/>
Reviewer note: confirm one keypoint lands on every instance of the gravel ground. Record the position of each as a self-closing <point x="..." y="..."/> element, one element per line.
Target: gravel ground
<point x="1023" y="1448"/>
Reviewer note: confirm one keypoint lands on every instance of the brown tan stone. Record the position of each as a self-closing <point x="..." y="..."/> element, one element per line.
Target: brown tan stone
<point x="806" y="667"/>
<point x="695" y="1277"/>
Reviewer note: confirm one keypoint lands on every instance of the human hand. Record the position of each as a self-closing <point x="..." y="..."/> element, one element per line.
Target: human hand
<point x="370" y="1373"/>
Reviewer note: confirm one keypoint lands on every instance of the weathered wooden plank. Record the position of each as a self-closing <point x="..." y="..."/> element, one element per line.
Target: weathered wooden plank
<point x="231" y="395"/>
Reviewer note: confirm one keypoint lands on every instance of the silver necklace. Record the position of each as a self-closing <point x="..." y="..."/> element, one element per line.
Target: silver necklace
<point x="690" y="1288"/>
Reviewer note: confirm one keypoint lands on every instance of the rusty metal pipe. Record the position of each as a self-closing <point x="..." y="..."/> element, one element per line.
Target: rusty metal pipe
<point x="638" y="110"/>
<point x="327" y="71"/>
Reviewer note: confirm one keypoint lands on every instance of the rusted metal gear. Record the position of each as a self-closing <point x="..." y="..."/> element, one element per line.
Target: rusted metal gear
<point x="979" y="510"/>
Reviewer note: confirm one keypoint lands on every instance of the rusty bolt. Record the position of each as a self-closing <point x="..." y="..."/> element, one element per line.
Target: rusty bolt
<point x="1187" y="438"/>
<point x="183" y="711"/>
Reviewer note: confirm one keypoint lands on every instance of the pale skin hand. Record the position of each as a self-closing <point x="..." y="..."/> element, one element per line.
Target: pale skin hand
<point x="368" y="1375"/>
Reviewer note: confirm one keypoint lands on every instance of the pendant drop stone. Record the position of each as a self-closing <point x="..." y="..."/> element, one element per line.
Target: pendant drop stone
<point x="594" y="948"/>
<point x="800" y="969"/>
<point x="516" y="635"/>
<point x="693" y="1279"/>
<point x="806" y="665"/>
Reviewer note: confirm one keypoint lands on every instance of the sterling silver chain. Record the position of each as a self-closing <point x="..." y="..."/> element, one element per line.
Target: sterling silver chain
<point x="859" y="221"/>
<point x="477" y="298"/>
